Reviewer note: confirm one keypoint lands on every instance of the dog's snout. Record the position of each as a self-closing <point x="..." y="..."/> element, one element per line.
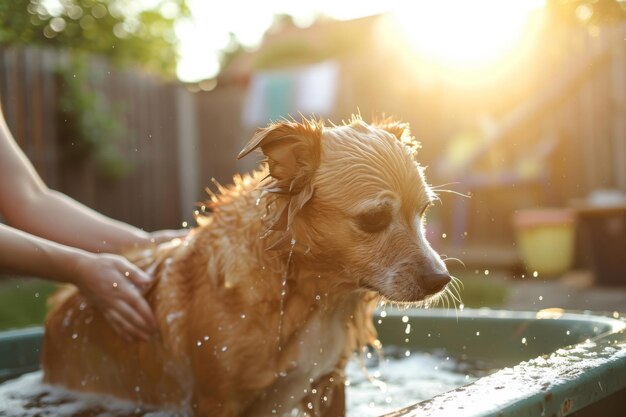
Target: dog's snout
<point x="435" y="283"/>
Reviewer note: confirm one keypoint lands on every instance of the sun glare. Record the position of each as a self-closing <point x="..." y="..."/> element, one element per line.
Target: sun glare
<point x="462" y="34"/>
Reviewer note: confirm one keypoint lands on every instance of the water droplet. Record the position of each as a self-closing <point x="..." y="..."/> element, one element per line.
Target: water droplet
<point x="317" y="297"/>
<point x="615" y="315"/>
<point x="74" y="336"/>
<point x="198" y="343"/>
<point x="486" y="272"/>
<point x="443" y="235"/>
<point x="461" y="306"/>
<point x="258" y="201"/>
<point x="567" y="332"/>
<point x="243" y="316"/>
<point x="408" y="328"/>
<point x="126" y="274"/>
<point x="309" y="405"/>
<point x="405" y="319"/>
<point x="541" y="298"/>
<point x="206" y="338"/>
<point x="184" y="224"/>
<point x="383" y="314"/>
<point x="523" y="340"/>
<point x="477" y="333"/>
<point x="137" y="388"/>
<point x="535" y="274"/>
<point x="224" y="348"/>
<point x="115" y="285"/>
<point x="36" y="295"/>
<point x="407" y="353"/>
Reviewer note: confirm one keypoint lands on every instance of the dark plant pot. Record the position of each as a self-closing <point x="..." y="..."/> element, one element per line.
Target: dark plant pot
<point x="603" y="230"/>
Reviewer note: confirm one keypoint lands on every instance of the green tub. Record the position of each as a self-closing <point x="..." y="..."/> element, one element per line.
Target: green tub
<point x="551" y="363"/>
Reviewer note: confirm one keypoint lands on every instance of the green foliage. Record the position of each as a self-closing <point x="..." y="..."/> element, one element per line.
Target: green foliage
<point x="91" y="127"/>
<point x="121" y="30"/>
<point x="482" y="291"/>
<point x="23" y="302"/>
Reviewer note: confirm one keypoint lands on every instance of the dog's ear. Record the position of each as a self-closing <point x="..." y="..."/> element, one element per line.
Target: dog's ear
<point x="400" y="130"/>
<point x="292" y="152"/>
<point x="292" y="149"/>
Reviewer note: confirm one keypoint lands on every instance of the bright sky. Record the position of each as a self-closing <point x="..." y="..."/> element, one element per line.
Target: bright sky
<point x="466" y="33"/>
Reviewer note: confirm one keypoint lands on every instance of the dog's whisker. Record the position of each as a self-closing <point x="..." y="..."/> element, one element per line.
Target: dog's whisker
<point x="458" y="283"/>
<point x="454" y="192"/>
<point x="446" y="259"/>
<point x="436" y="187"/>
<point x="456" y="297"/>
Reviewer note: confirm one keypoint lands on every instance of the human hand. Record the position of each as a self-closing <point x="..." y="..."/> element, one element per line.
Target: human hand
<point x="161" y="236"/>
<point x="115" y="287"/>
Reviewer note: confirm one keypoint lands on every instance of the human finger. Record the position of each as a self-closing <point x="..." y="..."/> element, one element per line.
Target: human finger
<point x="161" y="236"/>
<point x="138" y="277"/>
<point x="130" y="322"/>
<point x="115" y="321"/>
<point x="137" y="311"/>
<point x="139" y="305"/>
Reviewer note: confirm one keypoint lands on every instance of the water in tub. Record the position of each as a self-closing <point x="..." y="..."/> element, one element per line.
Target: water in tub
<point x="400" y="379"/>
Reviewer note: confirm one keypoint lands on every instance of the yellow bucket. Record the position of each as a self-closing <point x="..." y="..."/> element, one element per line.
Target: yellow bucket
<point x="545" y="239"/>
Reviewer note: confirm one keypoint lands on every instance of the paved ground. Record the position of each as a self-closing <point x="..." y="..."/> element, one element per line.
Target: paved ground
<point x="573" y="291"/>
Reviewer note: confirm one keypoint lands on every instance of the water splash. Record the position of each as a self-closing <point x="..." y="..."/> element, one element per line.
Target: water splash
<point x="283" y="292"/>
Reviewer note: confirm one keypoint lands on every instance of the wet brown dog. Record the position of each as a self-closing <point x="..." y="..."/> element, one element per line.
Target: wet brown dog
<point x="263" y="303"/>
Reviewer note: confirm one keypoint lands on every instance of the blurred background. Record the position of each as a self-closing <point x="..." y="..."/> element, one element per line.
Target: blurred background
<point x="132" y="107"/>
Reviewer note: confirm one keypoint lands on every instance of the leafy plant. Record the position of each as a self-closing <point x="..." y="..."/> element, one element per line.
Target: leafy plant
<point x="91" y="126"/>
<point x="125" y="31"/>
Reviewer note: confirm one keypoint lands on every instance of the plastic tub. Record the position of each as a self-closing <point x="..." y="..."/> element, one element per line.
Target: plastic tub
<point x="553" y="363"/>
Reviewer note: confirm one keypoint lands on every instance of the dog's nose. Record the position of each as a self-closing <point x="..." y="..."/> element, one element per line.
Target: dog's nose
<point x="435" y="283"/>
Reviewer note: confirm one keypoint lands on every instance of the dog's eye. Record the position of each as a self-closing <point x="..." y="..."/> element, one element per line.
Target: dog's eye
<point x="374" y="221"/>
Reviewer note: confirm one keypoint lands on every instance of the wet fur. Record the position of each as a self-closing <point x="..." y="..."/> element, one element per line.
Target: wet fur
<point x="275" y="287"/>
